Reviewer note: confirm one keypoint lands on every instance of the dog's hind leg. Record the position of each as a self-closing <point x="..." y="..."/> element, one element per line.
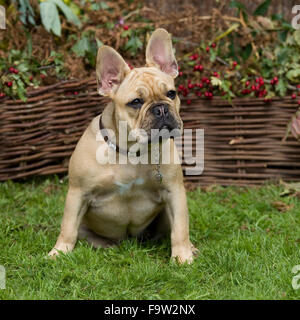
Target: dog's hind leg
<point x="84" y="233"/>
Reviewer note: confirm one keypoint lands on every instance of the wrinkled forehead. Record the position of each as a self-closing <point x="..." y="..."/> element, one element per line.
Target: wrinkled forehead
<point x="147" y="82"/>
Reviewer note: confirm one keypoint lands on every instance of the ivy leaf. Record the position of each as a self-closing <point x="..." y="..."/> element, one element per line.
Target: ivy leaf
<point x="262" y="9"/>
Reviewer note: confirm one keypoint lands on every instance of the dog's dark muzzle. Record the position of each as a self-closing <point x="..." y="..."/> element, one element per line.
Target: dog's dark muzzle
<point x="163" y="119"/>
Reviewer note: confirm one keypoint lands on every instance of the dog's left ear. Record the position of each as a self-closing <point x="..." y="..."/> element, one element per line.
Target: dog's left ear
<point x="111" y="70"/>
<point x="159" y="53"/>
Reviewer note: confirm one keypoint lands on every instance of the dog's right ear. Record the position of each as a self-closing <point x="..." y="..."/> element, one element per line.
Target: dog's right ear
<point x="111" y="69"/>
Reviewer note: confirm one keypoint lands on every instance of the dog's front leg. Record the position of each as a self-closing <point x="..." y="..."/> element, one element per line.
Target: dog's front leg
<point x="75" y="208"/>
<point x="177" y="210"/>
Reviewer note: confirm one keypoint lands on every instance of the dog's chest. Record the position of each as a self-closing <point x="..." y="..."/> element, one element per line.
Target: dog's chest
<point x="125" y="204"/>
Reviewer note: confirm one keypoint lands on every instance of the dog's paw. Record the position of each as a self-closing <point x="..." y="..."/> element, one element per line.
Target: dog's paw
<point x="183" y="255"/>
<point x="53" y="254"/>
<point x="60" y="248"/>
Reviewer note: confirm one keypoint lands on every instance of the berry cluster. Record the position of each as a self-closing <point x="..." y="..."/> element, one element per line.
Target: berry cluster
<point x="196" y="78"/>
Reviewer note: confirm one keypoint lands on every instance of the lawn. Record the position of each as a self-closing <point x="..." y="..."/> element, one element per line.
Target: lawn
<point x="248" y="241"/>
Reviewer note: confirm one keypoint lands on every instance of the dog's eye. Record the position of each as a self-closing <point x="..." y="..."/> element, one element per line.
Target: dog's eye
<point x="136" y="103"/>
<point x="171" y="94"/>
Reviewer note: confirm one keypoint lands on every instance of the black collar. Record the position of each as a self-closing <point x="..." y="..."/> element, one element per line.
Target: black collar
<point x="109" y="142"/>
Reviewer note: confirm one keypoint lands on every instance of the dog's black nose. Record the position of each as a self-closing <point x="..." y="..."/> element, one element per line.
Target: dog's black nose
<point x="160" y="111"/>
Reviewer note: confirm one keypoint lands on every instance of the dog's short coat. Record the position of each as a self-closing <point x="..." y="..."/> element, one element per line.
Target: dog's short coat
<point x="108" y="202"/>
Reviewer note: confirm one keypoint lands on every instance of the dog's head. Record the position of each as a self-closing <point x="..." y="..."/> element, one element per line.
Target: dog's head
<point x="144" y="97"/>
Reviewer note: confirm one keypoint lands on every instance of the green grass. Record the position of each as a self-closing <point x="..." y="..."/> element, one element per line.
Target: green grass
<point x="247" y="249"/>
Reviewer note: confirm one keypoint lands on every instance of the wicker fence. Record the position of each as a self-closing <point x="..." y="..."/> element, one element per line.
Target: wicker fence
<point x="243" y="141"/>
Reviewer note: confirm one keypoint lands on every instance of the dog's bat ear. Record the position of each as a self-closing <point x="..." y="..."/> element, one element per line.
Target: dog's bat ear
<point x="159" y="53"/>
<point x="111" y="70"/>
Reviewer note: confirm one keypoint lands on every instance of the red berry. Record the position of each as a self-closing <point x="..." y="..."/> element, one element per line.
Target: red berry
<point x="16" y="71"/>
<point x="294" y="96"/>
<point x="272" y="82"/>
<point x="199" y="94"/>
<point x="200" y="85"/>
<point x="213" y="45"/>
<point x="9" y="83"/>
<point x="299" y="102"/>
<point x="30" y="78"/>
<point x="253" y="87"/>
<point x="188" y="101"/>
<point x="275" y="79"/>
<point x="180" y="73"/>
<point x="200" y="68"/>
<point x="43" y="76"/>
<point x="247" y="83"/>
<point x="190" y="86"/>
<point x="11" y="69"/>
<point x="207" y="49"/>
<point x="125" y="27"/>
<point x="234" y="64"/>
<point x="207" y="81"/>
<point x="75" y="92"/>
<point x="2" y="94"/>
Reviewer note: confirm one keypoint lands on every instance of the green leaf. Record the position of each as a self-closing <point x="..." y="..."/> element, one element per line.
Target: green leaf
<point x="281" y="87"/>
<point x="297" y="36"/>
<point x="99" y="43"/>
<point x="71" y="17"/>
<point x="103" y="5"/>
<point x="50" y="17"/>
<point x="246" y="51"/>
<point x="133" y="44"/>
<point x="216" y="81"/>
<point x="262" y="9"/>
<point x="293" y="75"/>
<point x="126" y="33"/>
<point x="81" y="47"/>
<point x="237" y="4"/>
<point x="282" y="35"/>
<point x="213" y="55"/>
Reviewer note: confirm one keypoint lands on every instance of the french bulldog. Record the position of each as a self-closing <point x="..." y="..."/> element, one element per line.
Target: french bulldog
<point x="108" y="202"/>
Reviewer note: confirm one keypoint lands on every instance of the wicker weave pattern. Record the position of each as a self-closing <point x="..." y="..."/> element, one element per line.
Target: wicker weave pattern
<point x="242" y="142"/>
